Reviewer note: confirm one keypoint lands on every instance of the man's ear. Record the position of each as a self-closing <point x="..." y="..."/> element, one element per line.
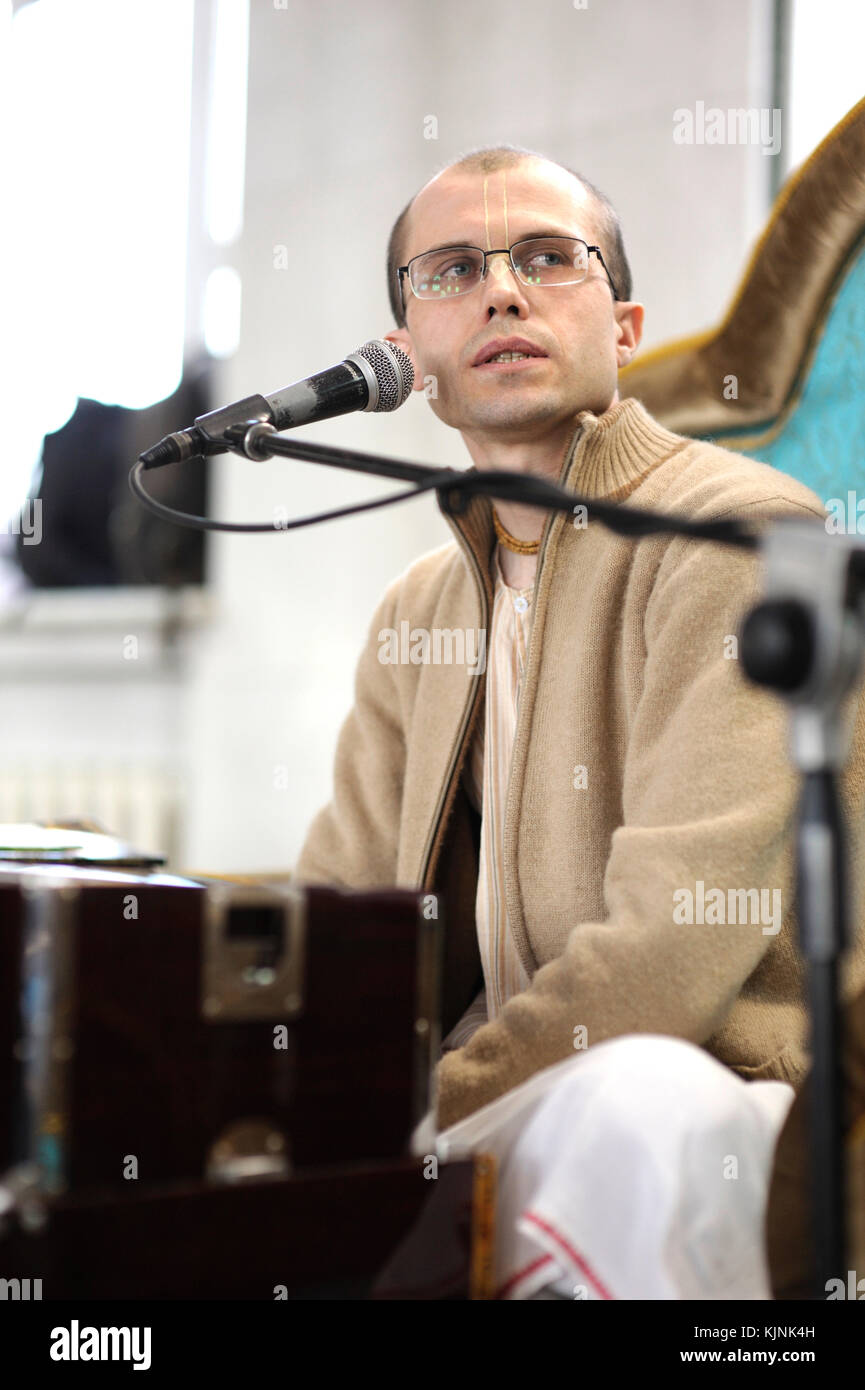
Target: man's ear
<point x="402" y="338"/>
<point x="629" y="320"/>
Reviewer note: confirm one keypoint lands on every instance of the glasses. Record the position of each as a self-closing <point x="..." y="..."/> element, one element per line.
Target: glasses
<point x="538" y="261"/>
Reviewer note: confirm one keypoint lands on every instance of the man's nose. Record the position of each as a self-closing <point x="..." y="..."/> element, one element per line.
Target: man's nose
<point x="498" y="265"/>
<point x="501" y="287"/>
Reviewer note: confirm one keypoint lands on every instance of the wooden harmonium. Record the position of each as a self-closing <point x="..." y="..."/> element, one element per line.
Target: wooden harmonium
<point x="167" y="1029"/>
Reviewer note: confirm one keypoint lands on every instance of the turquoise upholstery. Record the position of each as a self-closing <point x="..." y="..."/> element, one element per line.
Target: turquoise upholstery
<point x="822" y="440"/>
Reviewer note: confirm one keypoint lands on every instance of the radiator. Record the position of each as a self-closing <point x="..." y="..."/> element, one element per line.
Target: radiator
<point x="140" y="804"/>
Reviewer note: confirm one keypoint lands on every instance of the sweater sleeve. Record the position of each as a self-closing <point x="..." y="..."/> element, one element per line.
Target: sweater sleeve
<point x="352" y="842"/>
<point x="708" y="796"/>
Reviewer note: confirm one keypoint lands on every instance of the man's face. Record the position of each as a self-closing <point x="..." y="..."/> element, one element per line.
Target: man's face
<point x="585" y="334"/>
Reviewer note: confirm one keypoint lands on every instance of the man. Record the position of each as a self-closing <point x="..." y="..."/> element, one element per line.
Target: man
<point x="606" y="810"/>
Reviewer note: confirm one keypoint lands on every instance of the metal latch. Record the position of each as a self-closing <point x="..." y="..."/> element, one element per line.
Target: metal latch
<point x="254" y="953"/>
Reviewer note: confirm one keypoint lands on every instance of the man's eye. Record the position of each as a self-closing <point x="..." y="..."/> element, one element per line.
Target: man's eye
<point x="457" y="269"/>
<point x="545" y="259"/>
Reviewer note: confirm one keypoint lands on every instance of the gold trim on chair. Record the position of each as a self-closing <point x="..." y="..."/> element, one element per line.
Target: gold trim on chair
<point x="770" y="333"/>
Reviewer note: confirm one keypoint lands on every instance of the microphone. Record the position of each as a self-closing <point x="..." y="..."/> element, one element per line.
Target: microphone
<point x="379" y="376"/>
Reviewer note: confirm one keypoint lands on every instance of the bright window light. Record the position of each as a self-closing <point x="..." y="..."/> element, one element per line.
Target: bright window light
<point x="222" y="311"/>
<point x="226" y="139"/>
<point x="827" y="71"/>
<point x="93" y="240"/>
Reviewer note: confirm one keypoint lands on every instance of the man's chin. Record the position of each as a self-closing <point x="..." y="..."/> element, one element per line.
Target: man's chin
<point x="510" y="414"/>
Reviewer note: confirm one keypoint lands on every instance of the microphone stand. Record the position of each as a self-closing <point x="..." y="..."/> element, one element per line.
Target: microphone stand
<point x="806" y="642"/>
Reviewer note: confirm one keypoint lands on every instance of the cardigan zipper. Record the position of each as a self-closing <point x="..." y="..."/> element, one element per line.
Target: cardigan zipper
<point x="464" y="723"/>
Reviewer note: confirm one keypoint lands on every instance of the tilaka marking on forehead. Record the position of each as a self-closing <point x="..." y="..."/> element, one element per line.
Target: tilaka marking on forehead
<point x="504" y="211"/>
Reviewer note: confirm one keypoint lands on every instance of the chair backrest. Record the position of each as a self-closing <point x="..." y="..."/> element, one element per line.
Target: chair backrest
<point x="783" y="376"/>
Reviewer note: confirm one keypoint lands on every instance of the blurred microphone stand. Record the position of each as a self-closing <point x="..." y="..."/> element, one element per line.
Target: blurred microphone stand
<point x="805" y="641"/>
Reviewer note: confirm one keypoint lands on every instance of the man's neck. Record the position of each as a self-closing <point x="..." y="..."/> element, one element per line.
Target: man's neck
<point x="543" y="457"/>
<point x="518" y="571"/>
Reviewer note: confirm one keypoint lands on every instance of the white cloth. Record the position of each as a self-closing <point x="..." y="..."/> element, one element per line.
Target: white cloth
<point x="638" y="1169"/>
<point x="488" y="774"/>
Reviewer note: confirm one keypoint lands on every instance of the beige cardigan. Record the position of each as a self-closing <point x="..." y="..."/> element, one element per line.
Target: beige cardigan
<point x="686" y="784"/>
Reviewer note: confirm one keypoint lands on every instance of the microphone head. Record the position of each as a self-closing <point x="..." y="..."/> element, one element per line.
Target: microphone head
<point x="393" y="373"/>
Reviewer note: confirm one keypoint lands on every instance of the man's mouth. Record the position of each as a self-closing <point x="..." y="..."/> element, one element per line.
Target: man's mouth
<point x="506" y="352"/>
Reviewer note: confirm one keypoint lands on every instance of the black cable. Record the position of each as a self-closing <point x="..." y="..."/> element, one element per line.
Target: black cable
<point x="516" y="487"/>
<point x="206" y="523"/>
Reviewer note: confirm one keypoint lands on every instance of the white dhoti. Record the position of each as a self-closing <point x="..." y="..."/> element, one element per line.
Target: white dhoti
<point x="638" y="1169"/>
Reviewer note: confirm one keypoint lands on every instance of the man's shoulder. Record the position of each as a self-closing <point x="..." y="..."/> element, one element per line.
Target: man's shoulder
<point x="704" y="479"/>
<point x="422" y="581"/>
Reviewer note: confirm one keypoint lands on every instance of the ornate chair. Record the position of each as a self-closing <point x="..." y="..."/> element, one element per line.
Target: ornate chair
<point x="782" y="378"/>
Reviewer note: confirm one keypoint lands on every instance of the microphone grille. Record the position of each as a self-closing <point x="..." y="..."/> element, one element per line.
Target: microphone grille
<point x="393" y="372"/>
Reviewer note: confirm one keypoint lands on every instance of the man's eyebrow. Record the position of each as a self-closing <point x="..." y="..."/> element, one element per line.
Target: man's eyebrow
<point x="448" y="245"/>
<point x="527" y="236"/>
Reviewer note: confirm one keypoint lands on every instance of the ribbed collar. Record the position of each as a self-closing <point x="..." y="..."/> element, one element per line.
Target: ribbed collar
<point x="611" y="454"/>
<point x="608" y="456"/>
